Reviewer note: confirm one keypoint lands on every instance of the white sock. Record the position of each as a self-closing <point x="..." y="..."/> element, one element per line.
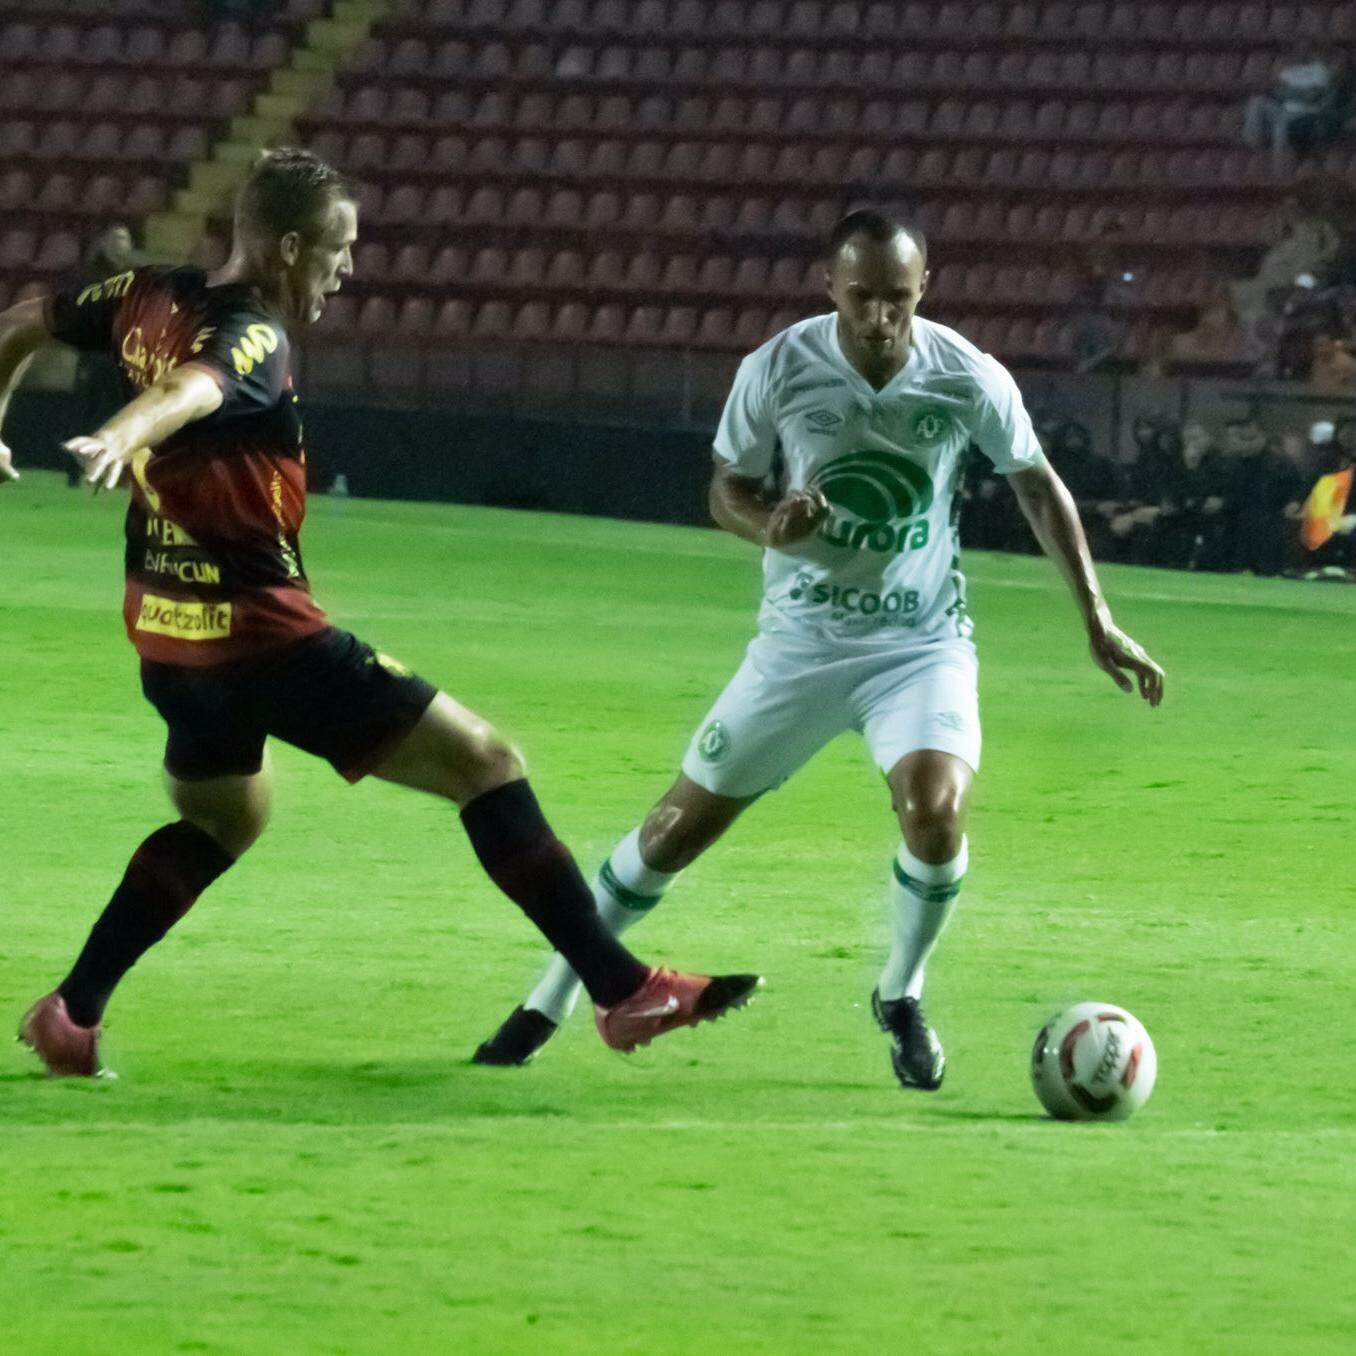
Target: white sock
<point x="625" y="890"/>
<point x="922" y="895"/>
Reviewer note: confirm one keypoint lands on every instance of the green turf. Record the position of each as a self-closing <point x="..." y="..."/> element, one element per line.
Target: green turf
<point x="298" y="1158"/>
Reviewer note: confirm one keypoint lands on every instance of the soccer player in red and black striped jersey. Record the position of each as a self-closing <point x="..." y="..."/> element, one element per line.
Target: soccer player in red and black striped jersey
<point x="234" y="648"/>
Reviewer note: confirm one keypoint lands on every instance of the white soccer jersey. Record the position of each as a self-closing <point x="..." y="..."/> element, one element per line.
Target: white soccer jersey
<point x="885" y="564"/>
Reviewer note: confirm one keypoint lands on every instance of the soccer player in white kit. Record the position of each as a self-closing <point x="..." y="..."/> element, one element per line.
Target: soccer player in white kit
<point x="863" y="416"/>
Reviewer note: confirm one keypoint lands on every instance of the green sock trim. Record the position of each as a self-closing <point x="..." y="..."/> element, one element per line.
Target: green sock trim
<point x="929" y="894"/>
<point x="628" y="899"/>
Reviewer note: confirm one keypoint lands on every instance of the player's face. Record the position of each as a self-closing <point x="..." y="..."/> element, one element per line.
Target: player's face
<point x="876" y="287"/>
<point x="316" y="264"/>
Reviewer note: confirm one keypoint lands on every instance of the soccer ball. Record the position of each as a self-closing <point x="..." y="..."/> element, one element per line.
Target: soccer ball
<point x="1093" y="1062"/>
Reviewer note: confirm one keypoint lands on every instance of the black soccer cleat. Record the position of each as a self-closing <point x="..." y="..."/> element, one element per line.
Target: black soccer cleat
<point x="916" y="1054"/>
<point x="524" y="1033"/>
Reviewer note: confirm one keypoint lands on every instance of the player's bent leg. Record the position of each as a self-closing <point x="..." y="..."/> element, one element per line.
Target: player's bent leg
<point x="931" y="793"/>
<point x="233" y="810"/>
<point x="454" y="753"/>
<point x="631" y="881"/>
<point x="221" y="818"/>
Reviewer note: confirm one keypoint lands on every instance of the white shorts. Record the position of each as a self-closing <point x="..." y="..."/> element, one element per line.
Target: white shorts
<point x="791" y="696"/>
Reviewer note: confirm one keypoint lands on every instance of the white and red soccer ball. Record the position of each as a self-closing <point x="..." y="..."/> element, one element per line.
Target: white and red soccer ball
<point x="1093" y="1062"/>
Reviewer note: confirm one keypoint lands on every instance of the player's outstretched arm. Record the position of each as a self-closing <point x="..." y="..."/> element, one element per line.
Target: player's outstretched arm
<point x="740" y="505"/>
<point x="177" y="399"/>
<point x="22" y="333"/>
<point x="1050" y="509"/>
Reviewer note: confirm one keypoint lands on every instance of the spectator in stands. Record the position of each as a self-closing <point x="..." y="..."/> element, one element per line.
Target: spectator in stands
<point x="1268" y="481"/>
<point x="1189" y="527"/>
<point x="1309" y="239"/>
<point x="1097" y="337"/>
<point x="1305" y="87"/>
<point x="1129" y="525"/>
<point x="1219" y="337"/>
<point x="1328" y="530"/>
<point x="1264" y="333"/>
<point x="1093" y="481"/>
<point x="1332" y="370"/>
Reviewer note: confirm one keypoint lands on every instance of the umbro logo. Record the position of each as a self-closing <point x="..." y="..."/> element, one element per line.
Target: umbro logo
<point x="824" y="421"/>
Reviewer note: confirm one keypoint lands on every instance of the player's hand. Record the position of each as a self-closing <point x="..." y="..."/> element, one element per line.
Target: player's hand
<point x="103" y="462"/>
<point x="7" y="471"/>
<point x="1114" y="652"/>
<point x="795" y="517"/>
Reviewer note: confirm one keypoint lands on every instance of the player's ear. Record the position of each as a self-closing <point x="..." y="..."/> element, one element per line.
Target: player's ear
<point x="923" y="281"/>
<point x="290" y="248"/>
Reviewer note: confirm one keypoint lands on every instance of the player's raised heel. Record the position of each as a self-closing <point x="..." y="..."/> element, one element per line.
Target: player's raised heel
<point x="916" y="1054"/>
<point x="669" y="999"/>
<point x="68" y="1051"/>
<point x="523" y="1033"/>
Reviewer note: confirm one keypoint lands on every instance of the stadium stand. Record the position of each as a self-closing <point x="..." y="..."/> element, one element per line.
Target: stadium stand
<point x="671" y="167"/>
<point x="658" y="173"/>
<point x="104" y="109"/>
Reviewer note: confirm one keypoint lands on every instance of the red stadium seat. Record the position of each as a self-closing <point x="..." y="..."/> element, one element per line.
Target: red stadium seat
<point x="494" y="320"/>
<point x="527" y="268"/>
<point x="532" y="322"/>
<point x="572" y="321"/>
<point x="415" y="320"/>
<point x="58" y="195"/>
<point x="490" y="266"/>
<point x="371" y="263"/>
<point x="410" y="264"/>
<point x="608" y="324"/>
<point x="525" y="207"/>
<point x="645" y="325"/>
<point x="566" y="269"/>
<point x="453" y="320"/>
<point x="448" y="267"/>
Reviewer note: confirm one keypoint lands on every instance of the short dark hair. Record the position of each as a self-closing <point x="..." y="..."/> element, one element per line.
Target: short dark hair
<point x="287" y="189"/>
<point x="874" y="225"/>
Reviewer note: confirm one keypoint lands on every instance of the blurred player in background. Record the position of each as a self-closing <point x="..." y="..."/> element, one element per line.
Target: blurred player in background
<point x="233" y="647"/>
<point x="839" y="454"/>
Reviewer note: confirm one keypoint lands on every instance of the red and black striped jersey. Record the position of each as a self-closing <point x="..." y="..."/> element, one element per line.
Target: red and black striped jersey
<point x="213" y="562"/>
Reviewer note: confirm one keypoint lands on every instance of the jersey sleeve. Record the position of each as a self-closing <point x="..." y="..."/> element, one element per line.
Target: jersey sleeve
<point x="746" y="439"/>
<point x="83" y="316"/>
<point x="248" y="353"/>
<point x="1001" y="427"/>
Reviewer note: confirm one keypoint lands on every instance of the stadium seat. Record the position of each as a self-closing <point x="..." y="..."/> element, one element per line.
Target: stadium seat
<point x="608" y="324"/>
<point x="565" y="270"/>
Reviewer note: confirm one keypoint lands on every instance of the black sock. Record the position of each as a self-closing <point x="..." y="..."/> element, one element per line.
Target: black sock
<point x="166" y="874"/>
<point x="536" y="871"/>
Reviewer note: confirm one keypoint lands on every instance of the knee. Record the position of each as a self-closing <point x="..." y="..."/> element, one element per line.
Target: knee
<point x="489" y="760"/>
<point x="236" y="830"/>
<point x="932" y="820"/>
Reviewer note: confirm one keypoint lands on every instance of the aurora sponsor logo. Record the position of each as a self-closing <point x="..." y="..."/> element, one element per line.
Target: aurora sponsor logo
<point x="860" y="602"/>
<point x="877" y="500"/>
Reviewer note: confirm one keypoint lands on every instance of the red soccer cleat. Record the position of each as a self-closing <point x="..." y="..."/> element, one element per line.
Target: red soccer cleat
<point x="68" y="1051"/>
<point x="670" y="999"/>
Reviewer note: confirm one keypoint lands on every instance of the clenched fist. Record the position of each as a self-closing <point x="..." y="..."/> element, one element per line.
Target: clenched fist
<point x="795" y="517"/>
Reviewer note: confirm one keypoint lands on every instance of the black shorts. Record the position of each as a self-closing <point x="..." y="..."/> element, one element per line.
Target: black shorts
<point x="329" y="695"/>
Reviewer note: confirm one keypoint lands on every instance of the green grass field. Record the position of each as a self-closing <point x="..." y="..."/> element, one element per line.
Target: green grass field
<point x="298" y="1158"/>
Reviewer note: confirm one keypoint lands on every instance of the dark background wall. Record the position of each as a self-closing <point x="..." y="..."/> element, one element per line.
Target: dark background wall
<point x="610" y="469"/>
